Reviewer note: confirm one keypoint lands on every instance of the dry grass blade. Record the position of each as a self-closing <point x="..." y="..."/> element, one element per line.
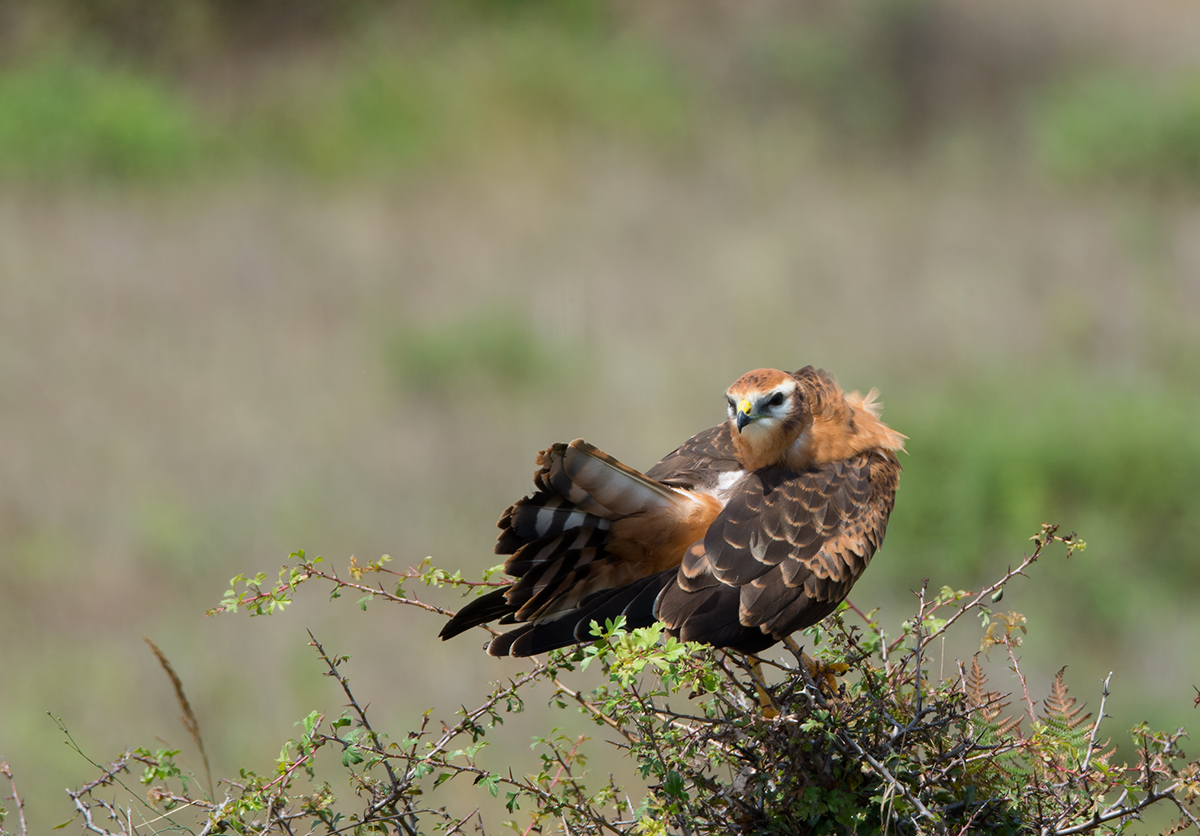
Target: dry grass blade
<point x="189" y="717"/>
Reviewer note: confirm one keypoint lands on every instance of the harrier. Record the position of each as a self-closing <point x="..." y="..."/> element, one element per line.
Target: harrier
<point x="749" y="531"/>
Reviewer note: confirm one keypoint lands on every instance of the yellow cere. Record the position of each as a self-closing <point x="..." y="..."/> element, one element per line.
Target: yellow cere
<point x="744" y="406"/>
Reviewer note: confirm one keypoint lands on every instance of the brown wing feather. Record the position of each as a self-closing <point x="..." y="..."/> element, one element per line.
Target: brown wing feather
<point x="789" y="545"/>
<point x="699" y="461"/>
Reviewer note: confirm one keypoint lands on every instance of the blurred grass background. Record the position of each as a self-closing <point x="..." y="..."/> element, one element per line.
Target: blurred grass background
<point x="326" y="276"/>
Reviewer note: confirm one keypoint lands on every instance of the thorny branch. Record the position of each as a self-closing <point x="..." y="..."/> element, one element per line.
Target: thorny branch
<point x="107" y="776"/>
<point x="1016" y="668"/>
<point x="260" y="601"/>
<point x="1047" y="535"/>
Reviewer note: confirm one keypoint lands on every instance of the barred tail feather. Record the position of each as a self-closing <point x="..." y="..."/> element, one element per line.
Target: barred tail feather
<point x="541" y="516"/>
<point x="571" y="566"/>
<point x="634" y="601"/>
<point x="489" y="607"/>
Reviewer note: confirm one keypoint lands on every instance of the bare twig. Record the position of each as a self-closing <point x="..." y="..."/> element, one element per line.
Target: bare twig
<point x="358" y="709"/>
<point x="1016" y="668"/>
<point x="1119" y="813"/>
<point x="1087" y="758"/>
<point x="886" y="775"/>
<point x="106" y="777"/>
<point x="917" y="628"/>
<point x="7" y="773"/>
<point x="594" y="711"/>
<point x="88" y="824"/>
<point x="214" y="817"/>
<point x="1047" y="535"/>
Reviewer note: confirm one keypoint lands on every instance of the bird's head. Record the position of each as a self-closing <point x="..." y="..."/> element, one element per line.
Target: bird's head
<point x="766" y="402"/>
<point x="802" y="419"/>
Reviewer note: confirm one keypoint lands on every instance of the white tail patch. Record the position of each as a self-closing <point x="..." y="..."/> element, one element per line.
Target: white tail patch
<point x="553" y="520"/>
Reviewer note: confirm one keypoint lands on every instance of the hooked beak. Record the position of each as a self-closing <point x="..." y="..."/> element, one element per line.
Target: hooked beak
<point x="743" y="416"/>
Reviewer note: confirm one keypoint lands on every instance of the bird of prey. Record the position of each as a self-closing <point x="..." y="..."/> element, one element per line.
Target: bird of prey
<point x="749" y="531"/>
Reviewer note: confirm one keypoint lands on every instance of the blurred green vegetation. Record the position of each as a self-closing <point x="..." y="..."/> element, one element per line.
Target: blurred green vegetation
<point x="379" y="103"/>
<point x="467" y="97"/>
<point x="495" y="350"/>
<point x="128" y="95"/>
<point x="68" y="116"/>
<point x="1122" y="126"/>
<point x="1118" y="459"/>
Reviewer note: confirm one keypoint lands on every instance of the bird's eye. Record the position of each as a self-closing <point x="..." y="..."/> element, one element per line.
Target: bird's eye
<point x="776" y="399"/>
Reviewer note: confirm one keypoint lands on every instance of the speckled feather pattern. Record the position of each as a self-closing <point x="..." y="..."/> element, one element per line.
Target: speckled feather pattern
<point x="791" y="544"/>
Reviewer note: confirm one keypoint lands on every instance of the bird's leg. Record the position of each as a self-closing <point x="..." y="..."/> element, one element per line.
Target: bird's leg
<point x="823" y="675"/>
<point x="770" y="708"/>
<point x="813" y="666"/>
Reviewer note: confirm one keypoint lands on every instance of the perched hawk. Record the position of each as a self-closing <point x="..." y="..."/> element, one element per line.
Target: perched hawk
<point x="749" y="531"/>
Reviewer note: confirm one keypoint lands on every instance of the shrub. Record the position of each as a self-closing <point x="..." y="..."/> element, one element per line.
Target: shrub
<point x="859" y="739"/>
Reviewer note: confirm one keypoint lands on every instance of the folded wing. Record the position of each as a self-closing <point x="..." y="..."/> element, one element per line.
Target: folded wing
<point x="783" y="553"/>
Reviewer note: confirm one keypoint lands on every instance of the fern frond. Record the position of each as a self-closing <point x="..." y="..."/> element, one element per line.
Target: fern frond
<point x="990" y="704"/>
<point x="1008" y="725"/>
<point x="976" y="682"/>
<point x="1060" y="710"/>
<point x="1177" y="827"/>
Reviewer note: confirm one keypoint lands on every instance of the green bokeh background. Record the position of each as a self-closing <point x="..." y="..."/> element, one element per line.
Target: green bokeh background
<point x="326" y="276"/>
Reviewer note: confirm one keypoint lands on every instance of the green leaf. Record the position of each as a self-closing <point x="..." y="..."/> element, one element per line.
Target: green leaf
<point x="492" y="782"/>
